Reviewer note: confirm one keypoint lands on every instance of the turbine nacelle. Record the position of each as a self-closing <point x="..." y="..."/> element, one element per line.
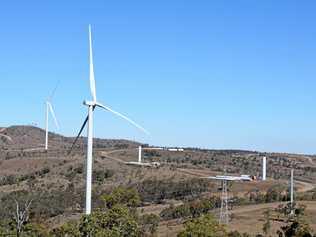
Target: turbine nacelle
<point x="90" y="103"/>
<point x="94" y="104"/>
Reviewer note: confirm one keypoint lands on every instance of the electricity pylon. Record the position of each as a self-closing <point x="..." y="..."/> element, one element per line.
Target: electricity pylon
<point x="224" y="214"/>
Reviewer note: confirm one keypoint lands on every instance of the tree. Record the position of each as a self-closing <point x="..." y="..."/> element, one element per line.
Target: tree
<point x="297" y="227"/>
<point x="32" y="230"/>
<point x="285" y="210"/>
<point x="5" y="230"/>
<point x="70" y="229"/>
<point x="267" y="225"/>
<point x="204" y="226"/>
<point x="21" y="216"/>
<point x="274" y="193"/>
<point x="117" y="221"/>
<point x="191" y="209"/>
<point x="123" y="196"/>
<point x="149" y="223"/>
<point x="15" y="211"/>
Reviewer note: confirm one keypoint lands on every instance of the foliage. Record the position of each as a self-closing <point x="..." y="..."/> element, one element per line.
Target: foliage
<point x="267" y="224"/>
<point x="100" y="175"/>
<point x="68" y="229"/>
<point x="122" y="196"/>
<point x="204" y="226"/>
<point x="190" y="209"/>
<point x="237" y="234"/>
<point x="8" y="202"/>
<point x="118" y="221"/>
<point x="297" y="228"/>
<point x="276" y="193"/>
<point x="35" y="230"/>
<point x="8" y="228"/>
<point x="149" y="223"/>
<point x="45" y="205"/>
<point x="15" y="179"/>
<point x="285" y="210"/>
<point x="154" y="190"/>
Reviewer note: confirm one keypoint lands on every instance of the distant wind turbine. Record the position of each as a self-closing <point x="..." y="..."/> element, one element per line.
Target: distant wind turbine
<point x="140" y="163"/>
<point x="89" y="119"/>
<point x="49" y="109"/>
<point x="292" y="191"/>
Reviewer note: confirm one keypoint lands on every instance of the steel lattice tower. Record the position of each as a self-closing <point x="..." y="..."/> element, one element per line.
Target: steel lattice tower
<point x="224" y="214"/>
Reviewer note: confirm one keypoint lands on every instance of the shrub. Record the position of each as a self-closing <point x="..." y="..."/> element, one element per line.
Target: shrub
<point x="100" y="175"/>
<point x="191" y="209"/>
<point x="123" y="196"/>
<point x="157" y="190"/>
<point x="149" y="223"/>
<point x="205" y="226"/>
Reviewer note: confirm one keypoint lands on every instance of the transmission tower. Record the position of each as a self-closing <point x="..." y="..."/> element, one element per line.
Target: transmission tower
<point x="224" y="215"/>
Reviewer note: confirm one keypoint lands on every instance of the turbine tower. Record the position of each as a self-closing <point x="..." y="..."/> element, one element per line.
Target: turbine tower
<point x="292" y="191"/>
<point x="49" y="109"/>
<point x="140" y="154"/>
<point x="89" y="119"/>
<point x="264" y="168"/>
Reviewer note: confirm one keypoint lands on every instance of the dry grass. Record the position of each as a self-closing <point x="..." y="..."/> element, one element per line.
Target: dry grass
<point x="17" y="159"/>
<point x="251" y="218"/>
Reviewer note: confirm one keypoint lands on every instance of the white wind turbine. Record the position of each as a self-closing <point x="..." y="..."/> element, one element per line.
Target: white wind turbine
<point x="49" y="109"/>
<point x="89" y="119"/>
<point x="140" y="163"/>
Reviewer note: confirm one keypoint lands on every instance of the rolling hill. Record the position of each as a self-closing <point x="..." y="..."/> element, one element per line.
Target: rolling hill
<point x="55" y="179"/>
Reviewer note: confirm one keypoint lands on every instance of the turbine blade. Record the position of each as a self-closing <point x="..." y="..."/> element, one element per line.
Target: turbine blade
<point x="53" y="114"/>
<point x="53" y="91"/>
<point x="81" y="129"/>
<point x="92" y="80"/>
<point x="123" y="117"/>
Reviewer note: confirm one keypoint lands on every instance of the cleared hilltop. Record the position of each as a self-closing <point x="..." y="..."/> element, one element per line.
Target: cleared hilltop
<point x="56" y="178"/>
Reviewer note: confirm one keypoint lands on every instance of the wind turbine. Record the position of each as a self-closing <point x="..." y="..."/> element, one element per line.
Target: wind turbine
<point x="49" y="109"/>
<point x="140" y="154"/>
<point x="292" y="192"/>
<point x="89" y="119"/>
<point x="140" y="163"/>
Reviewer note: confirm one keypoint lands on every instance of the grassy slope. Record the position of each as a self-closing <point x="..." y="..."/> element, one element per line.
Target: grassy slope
<point x="17" y="159"/>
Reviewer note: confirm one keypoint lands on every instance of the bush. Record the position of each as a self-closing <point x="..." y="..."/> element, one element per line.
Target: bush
<point x="237" y="234"/>
<point x="157" y="190"/>
<point x="149" y="223"/>
<point x="100" y="175"/>
<point x="119" y="221"/>
<point x="275" y="193"/>
<point x="205" y="226"/>
<point x="123" y="196"/>
<point x="191" y="209"/>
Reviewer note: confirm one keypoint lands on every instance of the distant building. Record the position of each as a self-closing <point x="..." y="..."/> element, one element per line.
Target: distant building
<point x="175" y="149"/>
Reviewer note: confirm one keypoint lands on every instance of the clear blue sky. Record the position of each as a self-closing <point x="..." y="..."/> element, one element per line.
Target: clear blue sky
<point x="216" y="74"/>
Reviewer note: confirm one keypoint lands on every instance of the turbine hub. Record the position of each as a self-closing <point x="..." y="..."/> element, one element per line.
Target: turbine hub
<point x="89" y="103"/>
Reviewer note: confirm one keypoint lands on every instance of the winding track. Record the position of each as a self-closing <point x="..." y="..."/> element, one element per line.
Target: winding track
<point x="5" y="136"/>
<point x="304" y="186"/>
<point x="107" y="154"/>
